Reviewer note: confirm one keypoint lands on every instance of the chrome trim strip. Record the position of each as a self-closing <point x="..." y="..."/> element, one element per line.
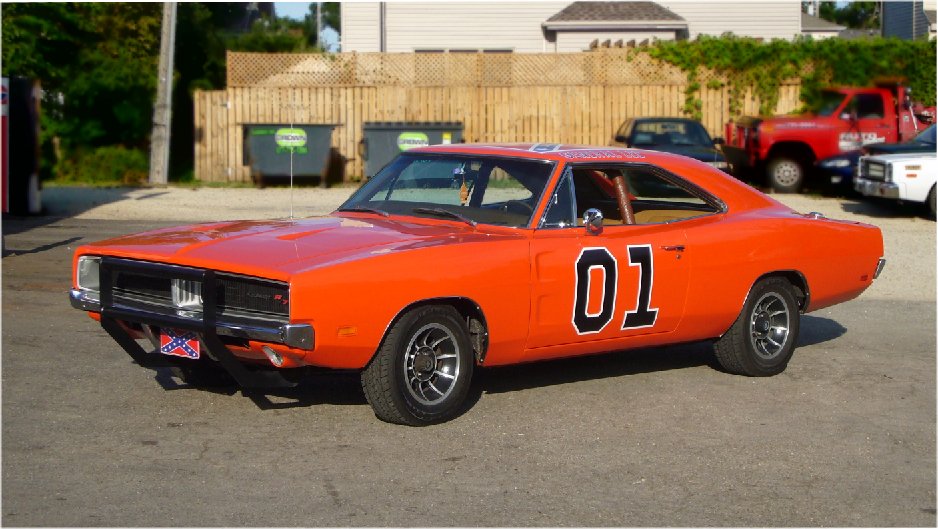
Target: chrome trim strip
<point x="298" y="335"/>
<point x="879" y="267"/>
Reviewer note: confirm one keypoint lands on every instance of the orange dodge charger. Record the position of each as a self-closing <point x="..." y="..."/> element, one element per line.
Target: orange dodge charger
<point x="459" y="256"/>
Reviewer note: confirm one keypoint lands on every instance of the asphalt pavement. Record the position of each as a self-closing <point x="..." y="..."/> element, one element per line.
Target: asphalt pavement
<point x="844" y="437"/>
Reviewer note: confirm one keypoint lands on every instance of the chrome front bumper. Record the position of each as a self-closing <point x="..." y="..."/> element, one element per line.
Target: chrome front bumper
<point x="876" y="188"/>
<point x="300" y="336"/>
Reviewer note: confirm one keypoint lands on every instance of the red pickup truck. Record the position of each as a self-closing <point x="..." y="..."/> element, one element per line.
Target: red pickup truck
<point x="784" y="147"/>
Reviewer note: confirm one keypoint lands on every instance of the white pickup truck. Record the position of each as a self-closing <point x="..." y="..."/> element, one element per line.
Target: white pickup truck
<point x="907" y="177"/>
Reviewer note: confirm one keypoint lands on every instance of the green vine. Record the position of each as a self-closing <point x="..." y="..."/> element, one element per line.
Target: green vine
<point x="746" y="63"/>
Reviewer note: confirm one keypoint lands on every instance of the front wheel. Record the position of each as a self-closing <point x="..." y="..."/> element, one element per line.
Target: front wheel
<point x="785" y="175"/>
<point x="762" y="339"/>
<point x="420" y="374"/>
<point x="931" y="203"/>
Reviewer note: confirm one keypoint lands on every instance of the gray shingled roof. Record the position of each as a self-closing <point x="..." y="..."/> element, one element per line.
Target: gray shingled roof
<point x="614" y="12"/>
<point x="853" y="34"/>
<point x="813" y="23"/>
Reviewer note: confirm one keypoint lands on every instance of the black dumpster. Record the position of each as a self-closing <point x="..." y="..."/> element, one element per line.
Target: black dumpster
<point x="268" y="148"/>
<point x="383" y="140"/>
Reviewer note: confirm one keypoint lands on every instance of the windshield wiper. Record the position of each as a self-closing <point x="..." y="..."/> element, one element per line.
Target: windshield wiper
<point x="366" y="209"/>
<point x="440" y="212"/>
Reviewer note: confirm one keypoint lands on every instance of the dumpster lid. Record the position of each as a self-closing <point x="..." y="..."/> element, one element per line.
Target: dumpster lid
<point x="412" y="124"/>
<point x="295" y="124"/>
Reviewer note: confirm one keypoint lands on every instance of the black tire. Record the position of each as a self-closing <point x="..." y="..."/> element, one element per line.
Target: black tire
<point x="421" y="372"/>
<point x="762" y="339"/>
<point x="785" y="174"/>
<point x="931" y="203"/>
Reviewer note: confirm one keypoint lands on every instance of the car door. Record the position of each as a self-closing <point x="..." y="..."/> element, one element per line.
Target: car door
<point x="866" y="115"/>
<point x="623" y="281"/>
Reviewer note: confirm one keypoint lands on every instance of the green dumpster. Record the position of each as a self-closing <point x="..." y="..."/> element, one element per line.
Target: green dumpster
<point x="383" y="140"/>
<point x="268" y="149"/>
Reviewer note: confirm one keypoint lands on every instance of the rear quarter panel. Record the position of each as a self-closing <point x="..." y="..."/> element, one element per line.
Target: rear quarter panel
<point x="731" y="252"/>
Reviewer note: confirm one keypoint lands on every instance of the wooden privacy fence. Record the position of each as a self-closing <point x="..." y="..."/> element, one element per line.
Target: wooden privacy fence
<point x="577" y="98"/>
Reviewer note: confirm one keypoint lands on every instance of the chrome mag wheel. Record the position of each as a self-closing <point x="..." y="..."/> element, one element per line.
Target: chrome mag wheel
<point x="769" y="325"/>
<point x="431" y="364"/>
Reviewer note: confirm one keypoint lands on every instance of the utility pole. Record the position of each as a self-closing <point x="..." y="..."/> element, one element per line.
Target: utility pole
<point x="319" y="26"/>
<point x="162" y="109"/>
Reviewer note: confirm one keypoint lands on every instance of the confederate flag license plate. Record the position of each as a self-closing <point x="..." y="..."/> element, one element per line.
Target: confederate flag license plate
<point x="177" y="342"/>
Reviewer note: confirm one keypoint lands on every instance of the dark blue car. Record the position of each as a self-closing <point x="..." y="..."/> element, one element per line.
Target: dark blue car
<point x="839" y="169"/>
<point x="675" y="135"/>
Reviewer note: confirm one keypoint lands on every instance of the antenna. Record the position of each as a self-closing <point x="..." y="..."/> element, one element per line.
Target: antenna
<point x="292" y="120"/>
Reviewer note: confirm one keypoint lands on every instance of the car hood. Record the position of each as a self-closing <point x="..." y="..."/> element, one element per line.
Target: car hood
<point x="797" y="122"/>
<point x="902" y="156"/>
<point x="281" y="248"/>
<point x="697" y="152"/>
<point x="897" y="148"/>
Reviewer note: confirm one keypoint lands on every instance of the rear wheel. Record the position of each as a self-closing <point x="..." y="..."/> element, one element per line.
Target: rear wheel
<point x="762" y="339"/>
<point x="785" y="174"/>
<point x="420" y="374"/>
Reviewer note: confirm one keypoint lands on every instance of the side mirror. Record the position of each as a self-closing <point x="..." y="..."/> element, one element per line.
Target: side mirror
<point x="593" y="220"/>
<point x="719" y="141"/>
<point x="619" y="138"/>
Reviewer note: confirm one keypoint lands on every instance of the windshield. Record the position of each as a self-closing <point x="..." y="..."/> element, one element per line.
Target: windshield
<point x="927" y="136"/>
<point x="657" y="133"/>
<point x="829" y="102"/>
<point x="471" y="189"/>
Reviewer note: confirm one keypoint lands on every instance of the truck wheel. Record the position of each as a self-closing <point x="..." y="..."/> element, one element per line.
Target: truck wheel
<point x="762" y="339"/>
<point x="785" y="175"/>
<point x="420" y="374"/>
<point x="931" y="203"/>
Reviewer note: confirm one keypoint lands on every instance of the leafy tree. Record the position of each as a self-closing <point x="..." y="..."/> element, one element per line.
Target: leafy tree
<point x="855" y="15"/>
<point x="331" y="16"/>
<point x="89" y="58"/>
<point x="97" y="63"/>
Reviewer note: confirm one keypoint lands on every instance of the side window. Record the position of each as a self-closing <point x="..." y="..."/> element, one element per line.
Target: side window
<point x="868" y="106"/>
<point x="652" y="197"/>
<point x="655" y="199"/>
<point x="593" y="189"/>
<point x="560" y="210"/>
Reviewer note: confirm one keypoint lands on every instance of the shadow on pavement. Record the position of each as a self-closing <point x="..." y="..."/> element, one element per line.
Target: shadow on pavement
<point x="344" y="387"/>
<point x="62" y="202"/>
<point x="883" y="208"/>
<point x="815" y="330"/>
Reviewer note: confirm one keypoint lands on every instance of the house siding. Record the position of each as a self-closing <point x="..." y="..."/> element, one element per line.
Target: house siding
<point x="517" y="26"/>
<point x="767" y="20"/>
<point x="905" y="20"/>
<point x="513" y="26"/>
<point x="360" y="26"/>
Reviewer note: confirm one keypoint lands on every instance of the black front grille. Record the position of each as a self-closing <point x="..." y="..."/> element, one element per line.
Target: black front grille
<point x="142" y="285"/>
<point x="238" y="297"/>
<point x="252" y="295"/>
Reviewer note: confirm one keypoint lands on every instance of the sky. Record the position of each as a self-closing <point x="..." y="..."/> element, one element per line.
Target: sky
<point x="298" y="10"/>
<point x="294" y="10"/>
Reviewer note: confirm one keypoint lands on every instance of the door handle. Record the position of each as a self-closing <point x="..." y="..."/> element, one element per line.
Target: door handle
<point x="676" y="248"/>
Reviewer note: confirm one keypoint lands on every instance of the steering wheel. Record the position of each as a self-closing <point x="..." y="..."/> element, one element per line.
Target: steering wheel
<point x="519" y="206"/>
